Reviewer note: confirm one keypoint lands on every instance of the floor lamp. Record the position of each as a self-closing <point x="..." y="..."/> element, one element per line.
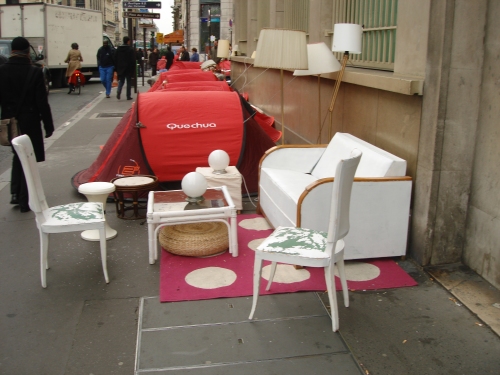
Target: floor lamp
<point x="321" y="61"/>
<point x="347" y="38"/>
<point x="281" y="49"/>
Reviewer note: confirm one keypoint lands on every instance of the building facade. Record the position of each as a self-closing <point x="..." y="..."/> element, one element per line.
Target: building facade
<point x="425" y="88"/>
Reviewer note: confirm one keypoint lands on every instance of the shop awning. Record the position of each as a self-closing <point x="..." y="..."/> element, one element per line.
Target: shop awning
<point x="176" y="37"/>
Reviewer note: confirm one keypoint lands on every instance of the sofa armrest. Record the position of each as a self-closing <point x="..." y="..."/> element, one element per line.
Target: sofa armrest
<point x="317" y="196"/>
<point x="300" y="158"/>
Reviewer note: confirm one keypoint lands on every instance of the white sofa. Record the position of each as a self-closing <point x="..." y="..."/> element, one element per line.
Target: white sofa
<point x="295" y="184"/>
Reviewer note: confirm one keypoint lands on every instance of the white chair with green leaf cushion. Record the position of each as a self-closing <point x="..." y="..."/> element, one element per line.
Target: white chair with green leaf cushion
<point x="312" y="248"/>
<point x="70" y="217"/>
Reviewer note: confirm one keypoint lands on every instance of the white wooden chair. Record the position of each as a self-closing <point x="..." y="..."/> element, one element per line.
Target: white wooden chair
<point x="70" y="217"/>
<point x="312" y="248"/>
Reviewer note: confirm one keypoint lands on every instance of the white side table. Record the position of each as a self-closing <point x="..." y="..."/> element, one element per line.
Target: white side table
<point x="97" y="192"/>
<point x="232" y="180"/>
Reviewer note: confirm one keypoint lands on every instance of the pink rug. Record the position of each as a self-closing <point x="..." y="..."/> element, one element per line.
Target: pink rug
<point x="189" y="279"/>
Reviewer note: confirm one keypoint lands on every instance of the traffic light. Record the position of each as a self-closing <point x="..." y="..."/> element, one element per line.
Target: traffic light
<point x="152" y="34"/>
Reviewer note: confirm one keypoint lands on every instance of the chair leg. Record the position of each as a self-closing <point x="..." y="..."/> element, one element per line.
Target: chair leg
<point x="102" y="240"/>
<point x="343" y="280"/>
<point x="257" y="270"/>
<point x="271" y="275"/>
<point x="332" y="297"/>
<point x="44" y="247"/>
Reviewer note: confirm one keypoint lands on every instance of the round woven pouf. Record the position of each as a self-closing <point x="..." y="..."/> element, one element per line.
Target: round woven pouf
<point x="195" y="239"/>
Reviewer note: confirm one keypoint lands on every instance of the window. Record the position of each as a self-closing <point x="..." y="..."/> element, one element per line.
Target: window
<point x="296" y="15"/>
<point x="379" y="19"/>
<point x="116" y="16"/>
<point x="80" y="3"/>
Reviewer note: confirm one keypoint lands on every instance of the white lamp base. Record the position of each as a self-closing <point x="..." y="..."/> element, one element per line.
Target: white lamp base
<point x="93" y="234"/>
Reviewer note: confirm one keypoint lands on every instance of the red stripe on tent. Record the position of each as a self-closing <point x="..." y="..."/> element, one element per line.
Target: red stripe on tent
<point x="183" y="128"/>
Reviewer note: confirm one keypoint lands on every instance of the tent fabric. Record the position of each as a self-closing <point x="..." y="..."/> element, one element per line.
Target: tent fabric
<point x="175" y="37"/>
<point x="125" y="154"/>
<point x="201" y="86"/>
<point x="194" y="127"/>
<point x="185" y="65"/>
<point x="182" y="76"/>
<point x="121" y="155"/>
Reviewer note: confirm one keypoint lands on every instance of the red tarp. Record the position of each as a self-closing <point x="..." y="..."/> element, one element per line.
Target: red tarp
<point x="183" y="65"/>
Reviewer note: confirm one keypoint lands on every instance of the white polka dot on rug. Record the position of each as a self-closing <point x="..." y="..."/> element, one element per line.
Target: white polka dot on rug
<point x="256" y="223"/>
<point x="360" y="271"/>
<point x="210" y="277"/>
<point x="254" y="244"/>
<point x="286" y="274"/>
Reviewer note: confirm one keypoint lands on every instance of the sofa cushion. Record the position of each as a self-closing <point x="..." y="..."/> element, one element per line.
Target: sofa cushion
<point x="285" y="187"/>
<point x="375" y="162"/>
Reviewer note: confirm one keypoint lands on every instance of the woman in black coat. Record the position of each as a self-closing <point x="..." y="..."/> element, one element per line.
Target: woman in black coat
<point x="33" y="108"/>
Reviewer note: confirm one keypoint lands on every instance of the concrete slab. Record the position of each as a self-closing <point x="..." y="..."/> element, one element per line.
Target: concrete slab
<point x="215" y="336"/>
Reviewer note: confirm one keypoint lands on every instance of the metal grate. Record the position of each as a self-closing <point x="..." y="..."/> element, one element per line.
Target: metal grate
<point x="296" y="15"/>
<point x="379" y="20"/>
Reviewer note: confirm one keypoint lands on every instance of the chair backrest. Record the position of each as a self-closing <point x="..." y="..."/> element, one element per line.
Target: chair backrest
<point x="341" y="197"/>
<point x="25" y="152"/>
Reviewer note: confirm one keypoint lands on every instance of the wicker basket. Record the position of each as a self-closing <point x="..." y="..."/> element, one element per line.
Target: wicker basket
<point x="195" y="239"/>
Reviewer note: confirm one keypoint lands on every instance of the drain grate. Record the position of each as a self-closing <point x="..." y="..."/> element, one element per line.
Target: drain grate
<point x="110" y="114"/>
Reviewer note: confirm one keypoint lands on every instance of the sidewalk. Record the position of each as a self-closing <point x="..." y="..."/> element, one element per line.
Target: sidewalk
<point x="80" y="325"/>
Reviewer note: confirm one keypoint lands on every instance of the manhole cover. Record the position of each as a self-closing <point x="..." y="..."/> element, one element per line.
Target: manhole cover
<point x="110" y="114"/>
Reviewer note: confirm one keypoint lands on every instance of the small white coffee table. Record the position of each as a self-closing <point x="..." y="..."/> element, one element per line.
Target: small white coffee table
<point x="171" y="208"/>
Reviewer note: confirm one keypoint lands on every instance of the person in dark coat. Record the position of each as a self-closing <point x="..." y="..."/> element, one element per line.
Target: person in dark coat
<point x="106" y="66"/>
<point x="153" y="60"/>
<point x="33" y="108"/>
<point x="169" y="55"/>
<point x="139" y="55"/>
<point x="124" y="65"/>
<point x="184" y="54"/>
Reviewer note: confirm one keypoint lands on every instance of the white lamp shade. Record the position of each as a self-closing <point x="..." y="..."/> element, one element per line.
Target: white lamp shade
<point x="207" y="64"/>
<point x="347" y="37"/>
<point x="321" y="61"/>
<point x="194" y="184"/>
<point x="223" y="48"/>
<point x="281" y="49"/>
<point x="253" y="55"/>
<point x="236" y="48"/>
<point x="218" y="160"/>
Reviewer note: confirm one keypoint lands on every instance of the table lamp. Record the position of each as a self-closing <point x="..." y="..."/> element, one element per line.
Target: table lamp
<point x="321" y="61"/>
<point x="281" y="49"/>
<point x="194" y="185"/>
<point x="347" y="38"/>
<point x="218" y="161"/>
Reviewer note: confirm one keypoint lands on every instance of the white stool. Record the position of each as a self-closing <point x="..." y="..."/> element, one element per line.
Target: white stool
<point x="97" y="192"/>
<point x="232" y="180"/>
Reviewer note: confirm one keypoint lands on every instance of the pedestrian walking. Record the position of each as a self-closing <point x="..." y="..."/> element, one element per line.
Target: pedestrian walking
<point x="124" y="59"/>
<point x="106" y="66"/>
<point x="23" y="96"/>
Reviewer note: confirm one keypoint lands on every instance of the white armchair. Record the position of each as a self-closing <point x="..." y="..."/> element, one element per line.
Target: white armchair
<point x="295" y="185"/>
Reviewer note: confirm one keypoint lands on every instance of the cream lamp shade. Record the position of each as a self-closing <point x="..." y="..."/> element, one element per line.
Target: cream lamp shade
<point x="218" y="161"/>
<point x="321" y="61"/>
<point x="194" y="185"/>
<point x="253" y="55"/>
<point x="281" y="49"/>
<point x="207" y="64"/>
<point x="347" y="37"/>
<point x="223" y="48"/>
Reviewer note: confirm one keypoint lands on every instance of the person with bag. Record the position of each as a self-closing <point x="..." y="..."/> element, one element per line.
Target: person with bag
<point x="23" y="97"/>
<point x="74" y="61"/>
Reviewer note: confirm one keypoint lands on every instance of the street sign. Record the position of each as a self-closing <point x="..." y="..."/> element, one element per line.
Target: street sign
<point x="159" y="38"/>
<point x="141" y="4"/>
<point x="140" y="15"/>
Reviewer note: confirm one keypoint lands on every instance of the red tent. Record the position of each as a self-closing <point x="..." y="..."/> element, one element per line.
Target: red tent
<point x="182" y="76"/>
<point x="143" y="142"/>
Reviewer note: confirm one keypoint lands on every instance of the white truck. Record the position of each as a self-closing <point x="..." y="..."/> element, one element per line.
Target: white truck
<point x="51" y="29"/>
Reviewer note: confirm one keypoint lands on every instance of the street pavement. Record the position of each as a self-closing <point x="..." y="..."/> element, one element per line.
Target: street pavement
<point x="80" y="325"/>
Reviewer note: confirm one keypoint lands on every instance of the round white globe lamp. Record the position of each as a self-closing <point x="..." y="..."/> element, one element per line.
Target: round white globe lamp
<point x="218" y="161"/>
<point x="194" y="185"/>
